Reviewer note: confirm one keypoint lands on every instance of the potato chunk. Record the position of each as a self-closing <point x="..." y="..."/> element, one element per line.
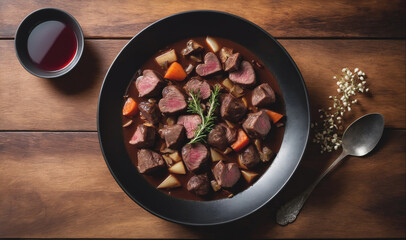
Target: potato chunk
<point x="248" y="175"/>
<point x="166" y="58"/>
<point x="215" y="156"/>
<point x="175" y="156"/>
<point x="215" y="185"/>
<point x="178" y="168"/>
<point x="170" y="182"/>
<point x="212" y="44"/>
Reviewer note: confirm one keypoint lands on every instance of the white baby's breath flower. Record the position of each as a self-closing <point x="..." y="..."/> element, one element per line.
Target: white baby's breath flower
<point x="327" y="133"/>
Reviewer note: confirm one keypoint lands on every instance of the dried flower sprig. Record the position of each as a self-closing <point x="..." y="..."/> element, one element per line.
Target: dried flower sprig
<point x="328" y="131"/>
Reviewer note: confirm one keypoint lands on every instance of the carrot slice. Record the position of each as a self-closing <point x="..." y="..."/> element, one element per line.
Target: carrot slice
<point x="274" y="116"/>
<point x="242" y="141"/>
<point x="175" y="72"/>
<point x="130" y="107"/>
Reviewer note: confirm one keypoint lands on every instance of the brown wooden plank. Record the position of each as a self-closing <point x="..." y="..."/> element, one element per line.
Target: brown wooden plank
<point x="357" y="188"/>
<point x="57" y="185"/>
<point x="338" y="18"/>
<point x="383" y="61"/>
<point x="66" y="103"/>
<point x="70" y="103"/>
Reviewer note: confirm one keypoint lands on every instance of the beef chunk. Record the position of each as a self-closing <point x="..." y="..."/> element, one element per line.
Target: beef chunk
<point x="244" y="76"/>
<point x="190" y="122"/>
<point x="231" y="133"/>
<point x="174" y="136"/>
<point x="144" y="136"/>
<point x="195" y="156"/>
<point x="149" y="161"/>
<point x="199" y="184"/>
<point x="192" y="47"/>
<point x="249" y="157"/>
<point x="173" y="100"/>
<point x="211" y="65"/>
<point x="149" y="84"/>
<point x="197" y="84"/>
<point x="150" y="112"/>
<point x="257" y="125"/>
<point x="233" y="62"/>
<point x="217" y="137"/>
<point x="263" y="95"/>
<point x="232" y="109"/>
<point x="227" y="174"/>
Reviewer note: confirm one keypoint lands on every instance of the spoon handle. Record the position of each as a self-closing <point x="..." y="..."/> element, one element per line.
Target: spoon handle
<point x="289" y="211"/>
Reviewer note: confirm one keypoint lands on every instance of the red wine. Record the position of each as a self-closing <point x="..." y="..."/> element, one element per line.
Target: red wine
<point x="52" y="45"/>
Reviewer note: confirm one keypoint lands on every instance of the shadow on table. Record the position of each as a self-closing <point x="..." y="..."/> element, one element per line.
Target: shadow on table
<point x="263" y="221"/>
<point x="312" y="165"/>
<point x="83" y="76"/>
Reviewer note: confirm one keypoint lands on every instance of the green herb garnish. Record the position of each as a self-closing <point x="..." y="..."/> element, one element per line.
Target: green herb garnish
<point x="207" y="121"/>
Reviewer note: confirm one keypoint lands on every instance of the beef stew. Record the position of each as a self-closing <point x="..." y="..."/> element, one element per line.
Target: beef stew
<point x="247" y="90"/>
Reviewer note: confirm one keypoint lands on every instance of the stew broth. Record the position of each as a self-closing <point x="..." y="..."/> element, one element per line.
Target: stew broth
<point x="272" y="141"/>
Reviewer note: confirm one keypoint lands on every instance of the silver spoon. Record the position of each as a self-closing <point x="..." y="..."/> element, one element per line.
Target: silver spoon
<point x="358" y="140"/>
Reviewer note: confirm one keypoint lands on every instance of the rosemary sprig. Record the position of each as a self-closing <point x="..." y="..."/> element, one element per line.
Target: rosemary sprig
<point x="207" y="121"/>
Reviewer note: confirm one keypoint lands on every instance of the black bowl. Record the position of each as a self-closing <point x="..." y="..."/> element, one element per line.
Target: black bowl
<point x="137" y="51"/>
<point x="28" y="24"/>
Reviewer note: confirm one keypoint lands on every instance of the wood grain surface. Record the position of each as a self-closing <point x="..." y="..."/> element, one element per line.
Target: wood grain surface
<point x="66" y="190"/>
<point x="54" y="182"/>
<point x="71" y="101"/>
<point x="308" y="18"/>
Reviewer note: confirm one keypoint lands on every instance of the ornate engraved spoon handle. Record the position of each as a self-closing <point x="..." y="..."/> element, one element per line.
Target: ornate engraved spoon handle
<point x="289" y="211"/>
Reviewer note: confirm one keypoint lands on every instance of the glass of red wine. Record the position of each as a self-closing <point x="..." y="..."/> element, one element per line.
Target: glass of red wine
<point x="49" y="43"/>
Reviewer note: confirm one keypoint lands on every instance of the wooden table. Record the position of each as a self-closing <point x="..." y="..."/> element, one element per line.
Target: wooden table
<point x="54" y="182"/>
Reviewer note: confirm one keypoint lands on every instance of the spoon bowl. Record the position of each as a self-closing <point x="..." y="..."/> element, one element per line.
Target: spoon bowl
<point x="358" y="139"/>
<point x="363" y="134"/>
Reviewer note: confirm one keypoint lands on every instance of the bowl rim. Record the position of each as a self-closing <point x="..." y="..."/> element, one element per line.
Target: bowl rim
<point x="306" y="136"/>
<point x="75" y="60"/>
